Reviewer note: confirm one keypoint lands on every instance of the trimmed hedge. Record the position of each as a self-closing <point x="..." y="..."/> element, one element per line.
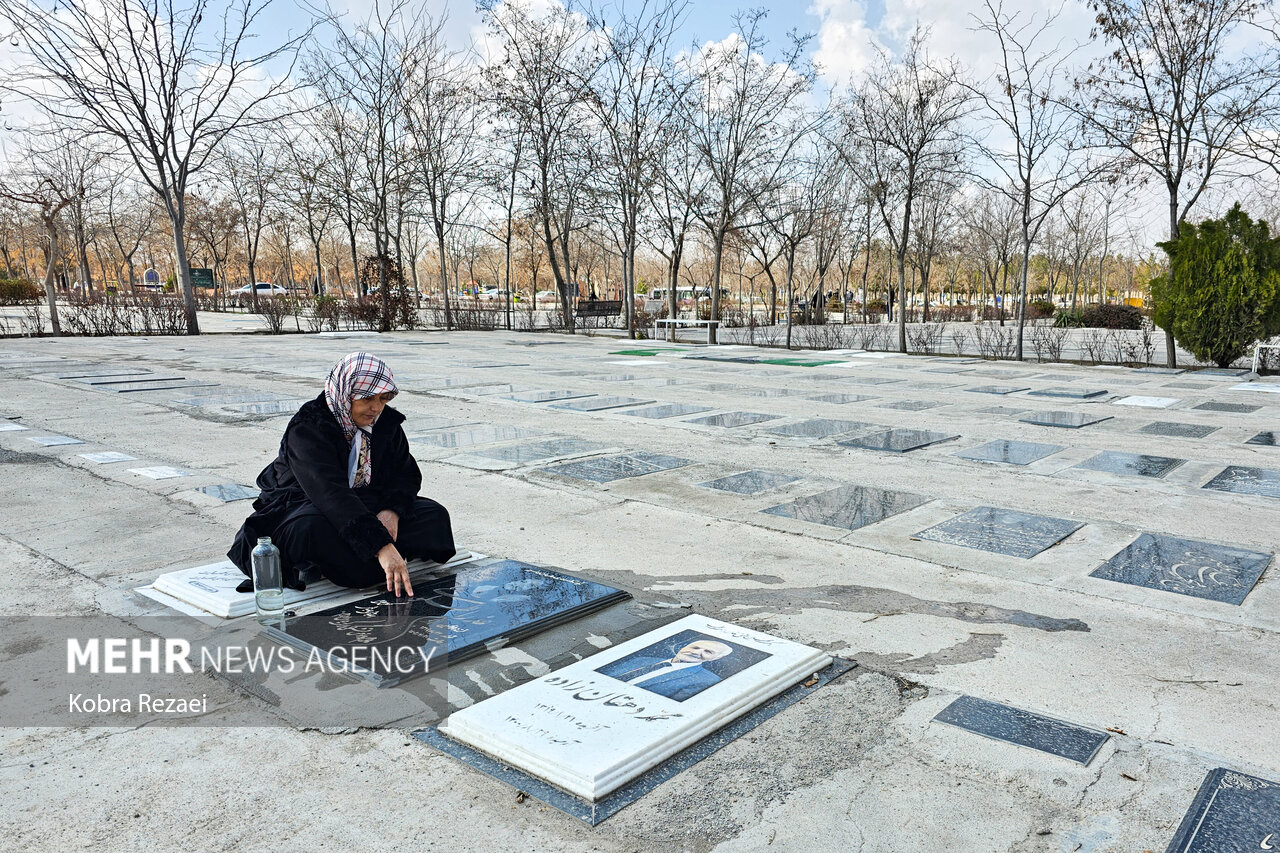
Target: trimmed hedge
<point x="1112" y="317"/>
<point x="18" y="291"/>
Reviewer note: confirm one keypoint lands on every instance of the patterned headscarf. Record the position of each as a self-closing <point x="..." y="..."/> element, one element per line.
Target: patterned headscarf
<point x="354" y="377"/>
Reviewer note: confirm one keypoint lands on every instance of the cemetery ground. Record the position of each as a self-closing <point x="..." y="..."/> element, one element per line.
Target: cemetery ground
<point x="1093" y="545"/>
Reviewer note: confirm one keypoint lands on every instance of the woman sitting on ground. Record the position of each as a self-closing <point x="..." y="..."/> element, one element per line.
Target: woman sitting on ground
<point x="341" y="499"/>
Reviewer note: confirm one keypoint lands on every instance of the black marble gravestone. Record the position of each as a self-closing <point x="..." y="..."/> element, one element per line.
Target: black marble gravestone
<point x="1014" y="725"/>
<point x="1187" y="567"/>
<point x="1232" y="813"/>
<point x="387" y="639"/>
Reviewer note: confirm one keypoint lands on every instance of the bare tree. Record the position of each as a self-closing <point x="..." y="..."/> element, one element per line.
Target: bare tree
<point x="1182" y="94"/>
<point x="131" y="218"/>
<point x="742" y="116"/>
<point x="166" y="83"/>
<point x="251" y="171"/>
<point x="907" y="115"/>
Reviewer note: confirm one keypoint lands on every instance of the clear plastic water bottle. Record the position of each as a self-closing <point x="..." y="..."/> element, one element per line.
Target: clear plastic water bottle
<point x="268" y="580"/>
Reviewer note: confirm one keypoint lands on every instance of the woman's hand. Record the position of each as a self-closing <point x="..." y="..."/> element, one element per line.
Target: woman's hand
<point x="391" y="521"/>
<point x="396" y="569"/>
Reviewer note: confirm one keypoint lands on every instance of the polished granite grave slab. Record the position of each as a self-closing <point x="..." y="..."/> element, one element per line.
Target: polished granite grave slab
<point x="750" y="482"/>
<point x="910" y="405"/>
<point x="1177" y="430"/>
<point x="1223" y="371"/>
<point x="1244" y="480"/>
<point x="720" y="386"/>
<point x="898" y="440"/>
<point x="1023" y="728"/>
<point x="948" y="370"/>
<point x="820" y="428"/>
<point x="1132" y="464"/>
<point x="1010" y="452"/>
<point x="592" y="726"/>
<point x="657" y="382"/>
<point x="610" y="468"/>
<point x="228" y="492"/>
<point x="868" y="380"/>
<point x="1066" y="420"/>
<point x="388" y="639"/>
<point x="131" y="379"/>
<point x="1148" y="402"/>
<point x="996" y="389"/>
<point x="275" y="407"/>
<point x="596" y="404"/>
<point x="220" y="399"/>
<point x="107" y="457"/>
<point x="1069" y="393"/>
<point x="160" y="472"/>
<point x="132" y="387"/>
<point x="1238" y="408"/>
<point x="1002" y="531"/>
<point x="474" y="436"/>
<point x="1001" y="410"/>
<point x="775" y="392"/>
<point x="1232" y="812"/>
<point x="1263" y="439"/>
<point x="840" y="399"/>
<point x="850" y="507"/>
<point x="10" y="427"/>
<point x="487" y="390"/>
<point x="94" y="372"/>
<point x="1187" y="567"/>
<point x="54" y="440"/>
<point x="617" y="377"/>
<point x="544" y="396"/>
<point x="524" y="454"/>
<point x="733" y="419"/>
<point x="1172" y="371"/>
<point x="666" y="410"/>
<point x="1199" y="386"/>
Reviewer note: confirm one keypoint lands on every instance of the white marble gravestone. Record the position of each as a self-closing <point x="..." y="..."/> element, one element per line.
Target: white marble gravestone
<point x="591" y="727"/>
<point x="212" y="588"/>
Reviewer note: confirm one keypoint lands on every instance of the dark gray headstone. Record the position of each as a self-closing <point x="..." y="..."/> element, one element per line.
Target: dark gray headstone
<point x="1000" y="410"/>
<point x="1002" y="531"/>
<point x="596" y="404"/>
<point x="1223" y="371"/>
<point x="996" y="389"/>
<point x="910" y="405"/>
<point x="610" y="468"/>
<point x="870" y="380"/>
<point x="839" y="399"/>
<point x="1177" y="430"/>
<point x="544" y="396"/>
<point x="1237" y="408"/>
<point x="1264" y="439"/>
<point x="667" y="410"/>
<point x="750" y="482"/>
<point x="1243" y="480"/>
<point x="820" y="428"/>
<point x="1133" y="464"/>
<point x="228" y="492"/>
<point x="733" y="419"/>
<point x="850" y="507"/>
<point x="1232" y="813"/>
<point x="1199" y="569"/>
<point x="775" y="392"/>
<point x="54" y="440"/>
<point x="1069" y="393"/>
<point x="538" y="450"/>
<point x="277" y="407"/>
<point x="1011" y="452"/>
<point x="474" y="436"/>
<point x="1013" y="725"/>
<point x="1066" y="420"/>
<point x="898" y="440"/>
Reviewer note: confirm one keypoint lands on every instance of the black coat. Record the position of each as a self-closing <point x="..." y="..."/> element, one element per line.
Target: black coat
<point x="309" y="476"/>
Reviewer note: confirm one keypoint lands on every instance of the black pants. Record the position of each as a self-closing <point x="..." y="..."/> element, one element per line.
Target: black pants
<point x="309" y="543"/>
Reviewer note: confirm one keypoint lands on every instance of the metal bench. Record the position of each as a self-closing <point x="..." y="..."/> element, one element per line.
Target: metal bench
<point x="676" y="322"/>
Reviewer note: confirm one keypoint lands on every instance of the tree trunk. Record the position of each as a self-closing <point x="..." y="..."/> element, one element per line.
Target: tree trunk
<point x="715" y="288"/>
<point x="184" y="278"/>
<point x="50" y="273"/>
<point x="1022" y="293"/>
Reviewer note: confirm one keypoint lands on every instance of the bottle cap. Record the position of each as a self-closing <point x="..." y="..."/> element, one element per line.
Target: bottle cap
<point x="264" y="540"/>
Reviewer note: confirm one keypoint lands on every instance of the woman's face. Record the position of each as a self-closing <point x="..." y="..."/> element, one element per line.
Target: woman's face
<point x="365" y="410"/>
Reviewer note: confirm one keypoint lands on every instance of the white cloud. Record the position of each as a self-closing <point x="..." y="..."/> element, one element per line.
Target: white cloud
<point x="846" y="44"/>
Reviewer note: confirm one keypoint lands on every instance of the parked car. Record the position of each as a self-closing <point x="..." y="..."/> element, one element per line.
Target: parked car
<point x="243" y="296"/>
<point x="493" y="294"/>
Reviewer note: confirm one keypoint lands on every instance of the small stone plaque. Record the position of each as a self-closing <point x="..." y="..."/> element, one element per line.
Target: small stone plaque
<point x="1009" y="452"/>
<point x="850" y="507"/>
<point x="532" y="452"/>
<point x="1133" y="464"/>
<point x="387" y="639"/>
<point x="898" y="440"/>
<point x="617" y="377"/>
<point x="11" y="427"/>
<point x="1023" y="728"/>
<point x="1232" y="813"/>
<point x="160" y="472"/>
<point x="1002" y="531"/>
<point x="1000" y="410"/>
<point x="839" y="399"/>
<point x="1069" y="393"/>
<point x="1237" y="408"/>
<point x="1199" y="569"/>
<point x="108" y="457"/>
<point x="733" y="419"/>
<point x="819" y="428"/>
<point x="610" y="468"/>
<point x="271" y="407"/>
<point x="595" y="404"/>
<point x="996" y="389"/>
<point x="1223" y="371"/>
<point x="1263" y="439"/>
<point x="228" y="492"/>
<point x="1066" y="420"/>
<point x="666" y="410"/>
<point x="54" y="440"/>
<point x="1148" y="402"/>
<point x="590" y="727"/>
<point x="1243" y="480"/>
<point x="472" y="437"/>
<point x="544" y="396"/>
<point x="910" y="405"/>
<point x="750" y="482"/>
<point x="1177" y="430"/>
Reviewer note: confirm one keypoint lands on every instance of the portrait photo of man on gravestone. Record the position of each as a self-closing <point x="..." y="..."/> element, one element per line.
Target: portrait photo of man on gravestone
<point x="683" y="665"/>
